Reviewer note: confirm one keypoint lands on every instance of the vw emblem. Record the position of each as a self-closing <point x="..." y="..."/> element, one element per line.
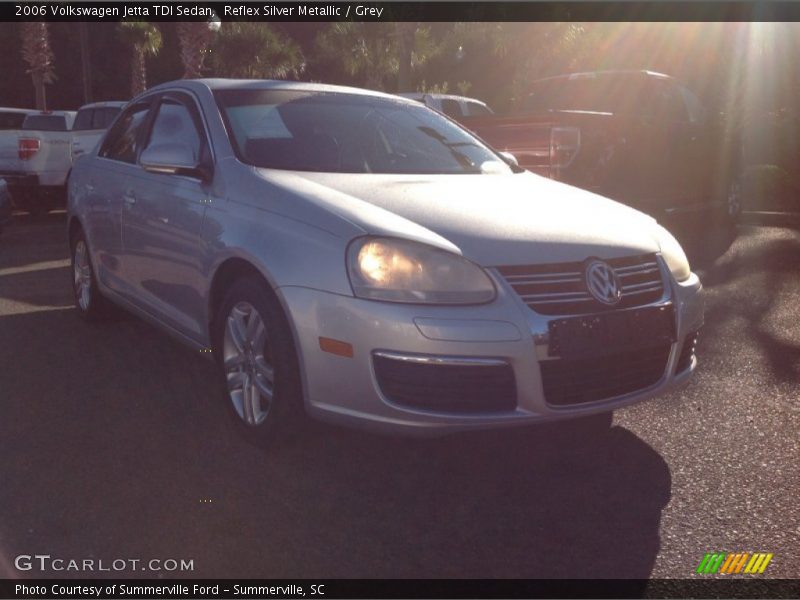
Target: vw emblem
<point x="602" y="282"/>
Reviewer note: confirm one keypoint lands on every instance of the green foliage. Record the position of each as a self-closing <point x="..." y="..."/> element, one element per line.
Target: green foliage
<point x="36" y="50"/>
<point x="374" y="54"/>
<point x="144" y="39"/>
<point x="255" y="51"/>
<point x="143" y="36"/>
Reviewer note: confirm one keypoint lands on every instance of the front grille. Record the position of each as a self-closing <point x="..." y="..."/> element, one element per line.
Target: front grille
<point x="577" y="381"/>
<point x="459" y="388"/>
<point x="687" y="353"/>
<point x="560" y="288"/>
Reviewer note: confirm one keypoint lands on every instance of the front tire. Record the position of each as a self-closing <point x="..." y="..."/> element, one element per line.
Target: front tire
<point x="260" y="375"/>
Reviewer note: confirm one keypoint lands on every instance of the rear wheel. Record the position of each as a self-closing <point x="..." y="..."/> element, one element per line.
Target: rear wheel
<point x="260" y="373"/>
<point x="89" y="302"/>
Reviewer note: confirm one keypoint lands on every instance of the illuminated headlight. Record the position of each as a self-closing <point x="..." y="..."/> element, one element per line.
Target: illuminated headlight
<point x="395" y="270"/>
<point x="673" y="255"/>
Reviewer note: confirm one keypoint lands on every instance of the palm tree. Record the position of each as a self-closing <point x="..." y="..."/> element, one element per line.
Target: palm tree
<point x="378" y="54"/>
<point x="255" y="51"/>
<point x="37" y="53"/>
<point x="144" y="40"/>
<point x="195" y="38"/>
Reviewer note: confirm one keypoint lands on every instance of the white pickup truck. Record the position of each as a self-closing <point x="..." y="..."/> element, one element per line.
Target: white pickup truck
<point x="37" y="172"/>
<point x="91" y="123"/>
<point x="454" y="107"/>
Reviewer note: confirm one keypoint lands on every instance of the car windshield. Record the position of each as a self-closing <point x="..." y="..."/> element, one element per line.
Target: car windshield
<point x="349" y="133"/>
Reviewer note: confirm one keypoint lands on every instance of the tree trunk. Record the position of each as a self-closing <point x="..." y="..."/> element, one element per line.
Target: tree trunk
<point x="38" y="85"/>
<point x="86" y="67"/>
<point x="405" y="46"/>
<point x="138" y="72"/>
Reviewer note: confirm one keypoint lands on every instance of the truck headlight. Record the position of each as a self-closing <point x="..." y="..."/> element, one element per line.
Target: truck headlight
<point x="673" y="255"/>
<point x="396" y="270"/>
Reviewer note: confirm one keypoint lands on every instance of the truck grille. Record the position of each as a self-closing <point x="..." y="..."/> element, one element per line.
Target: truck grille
<point x="568" y="382"/>
<point x="560" y="288"/>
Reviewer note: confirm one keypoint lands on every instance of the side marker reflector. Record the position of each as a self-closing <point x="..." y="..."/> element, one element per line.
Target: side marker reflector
<point x="337" y="347"/>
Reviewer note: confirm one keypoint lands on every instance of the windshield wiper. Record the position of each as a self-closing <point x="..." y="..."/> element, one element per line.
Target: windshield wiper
<point x="460" y="157"/>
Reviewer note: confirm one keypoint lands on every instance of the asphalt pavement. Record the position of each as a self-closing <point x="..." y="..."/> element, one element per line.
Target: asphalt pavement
<point x="113" y="446"/>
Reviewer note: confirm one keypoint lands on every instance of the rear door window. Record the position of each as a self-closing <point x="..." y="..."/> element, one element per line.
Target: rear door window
<point x="452" y="108"/>
<point x="103" y="117"/>
<point x="83" y="120"/>
<point x="476" y="110"/>
<point x="666" y="103"/>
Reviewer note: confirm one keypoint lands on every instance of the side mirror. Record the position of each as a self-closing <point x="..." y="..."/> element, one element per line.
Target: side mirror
<point x="509" y="158"/>
<point x="172" y="159"/>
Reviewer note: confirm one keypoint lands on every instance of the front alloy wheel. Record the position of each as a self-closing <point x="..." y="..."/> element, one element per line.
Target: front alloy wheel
<point x="248" y="367"/>
<point x="260" y="376"/>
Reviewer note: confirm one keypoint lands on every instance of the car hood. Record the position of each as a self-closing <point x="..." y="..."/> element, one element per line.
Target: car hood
<point x="491" y="219"/>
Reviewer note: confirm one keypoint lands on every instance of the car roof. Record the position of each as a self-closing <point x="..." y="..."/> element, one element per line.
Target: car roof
<point x="422" y="95"/>
<point x="52" y="113"/>
<point x="593" y="74"/>
<point x="266" y="84"/>
<point x="105" y="104"/>
<point x="24" y="111"/>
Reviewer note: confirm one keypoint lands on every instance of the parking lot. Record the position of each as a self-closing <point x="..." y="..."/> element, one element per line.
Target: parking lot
<point x="113" y="446"/>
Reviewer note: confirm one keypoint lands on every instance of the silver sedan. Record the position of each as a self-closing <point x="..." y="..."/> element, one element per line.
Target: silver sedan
<point x="361" y="258"/>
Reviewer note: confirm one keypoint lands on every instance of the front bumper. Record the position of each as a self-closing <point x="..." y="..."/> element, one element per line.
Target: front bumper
<point x="346" y="389"/>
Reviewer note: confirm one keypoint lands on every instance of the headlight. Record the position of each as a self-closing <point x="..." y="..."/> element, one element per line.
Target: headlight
<point x="396" y="270"/>
<point x="673" y="255"/>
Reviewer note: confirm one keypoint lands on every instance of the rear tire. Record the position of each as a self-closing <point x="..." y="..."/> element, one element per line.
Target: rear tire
<point x="259" y="369"/>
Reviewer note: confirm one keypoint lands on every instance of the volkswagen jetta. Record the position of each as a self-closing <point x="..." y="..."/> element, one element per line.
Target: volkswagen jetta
<point x="362" y="258"/>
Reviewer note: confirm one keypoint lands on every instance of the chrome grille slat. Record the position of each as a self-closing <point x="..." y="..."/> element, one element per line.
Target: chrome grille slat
<point x="560" y="289"/>
<point x="640" y="272"/>
<point x="639" y="267"/>
<point x="555" y="296"/>
<point x="534" y="281"/>
<point x="647" y="285"/>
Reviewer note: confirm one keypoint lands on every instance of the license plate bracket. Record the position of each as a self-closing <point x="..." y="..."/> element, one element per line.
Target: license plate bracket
<point x="607" y="333"/>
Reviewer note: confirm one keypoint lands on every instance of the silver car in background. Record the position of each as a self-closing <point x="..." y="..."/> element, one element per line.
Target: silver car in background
<point x="360" y="257"/>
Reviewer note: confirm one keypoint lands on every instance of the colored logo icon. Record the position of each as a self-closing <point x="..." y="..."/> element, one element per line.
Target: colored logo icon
<point x="734" y="562"/>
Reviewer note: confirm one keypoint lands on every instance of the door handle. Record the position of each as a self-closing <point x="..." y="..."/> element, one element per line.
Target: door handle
<point x="129" y="198"/>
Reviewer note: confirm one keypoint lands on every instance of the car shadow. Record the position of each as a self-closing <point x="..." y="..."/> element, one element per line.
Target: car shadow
<point x="704" y="243"/>
<point x="115" y="444"/>
<point x="751" y="294"/>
